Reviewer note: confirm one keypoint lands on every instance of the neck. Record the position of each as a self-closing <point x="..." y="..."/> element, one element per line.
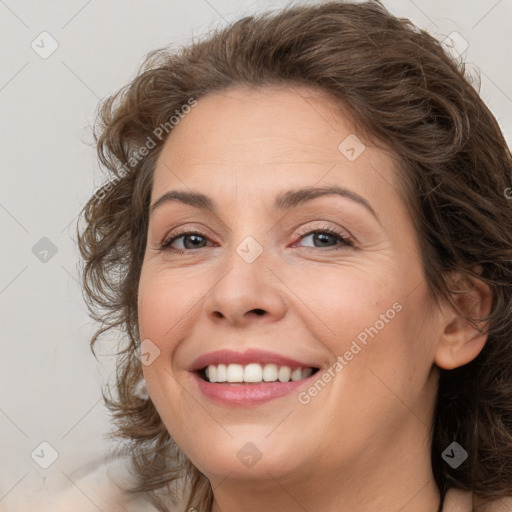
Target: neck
<point x="277" y="498"/>
<point x="402" y="481"/>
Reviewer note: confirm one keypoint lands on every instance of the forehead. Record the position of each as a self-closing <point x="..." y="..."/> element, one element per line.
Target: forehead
<point x="289" y="115"/>
<point x="272" y="138"/>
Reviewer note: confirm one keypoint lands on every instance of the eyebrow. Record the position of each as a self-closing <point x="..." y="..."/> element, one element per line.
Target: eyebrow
<point x="284" y="201"/>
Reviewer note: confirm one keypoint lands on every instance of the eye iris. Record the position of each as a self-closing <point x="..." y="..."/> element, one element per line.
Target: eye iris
<point x="324" y="237"/>
<point x="196" y="240"/>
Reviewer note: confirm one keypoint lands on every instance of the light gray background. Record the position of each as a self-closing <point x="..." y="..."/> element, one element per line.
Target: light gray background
<point x="50" y="382"/>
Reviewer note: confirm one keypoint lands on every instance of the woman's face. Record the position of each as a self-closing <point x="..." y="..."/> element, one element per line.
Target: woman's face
<point x="327" y="281"/>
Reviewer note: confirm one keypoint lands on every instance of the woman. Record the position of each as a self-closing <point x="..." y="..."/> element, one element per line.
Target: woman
<point x="307" y="240"/>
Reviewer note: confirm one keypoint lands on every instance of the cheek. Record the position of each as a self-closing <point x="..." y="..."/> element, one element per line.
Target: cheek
<point x="394" y="365"/>
<point x="155" y="301"/>
<point x="168" y="303"/>
<point x="162" y="317"/>
<point x="376" y="320"/>
<point x="165" y="306"/>
<point x="342" y="301"/>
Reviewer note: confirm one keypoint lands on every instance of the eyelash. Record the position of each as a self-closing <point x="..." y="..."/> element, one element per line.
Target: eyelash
<point x="166" y="244"/>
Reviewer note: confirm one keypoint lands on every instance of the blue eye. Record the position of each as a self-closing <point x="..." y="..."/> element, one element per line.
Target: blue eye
<point x="324" y="235"/>
<point x="196" y="240"/>
<point x="194" y="237"/>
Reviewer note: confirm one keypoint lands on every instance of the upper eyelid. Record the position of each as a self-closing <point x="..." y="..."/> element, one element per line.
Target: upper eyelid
<point x="305" y="205"/>
<point x="180" y="230"/>
<point x="305" y="220"/>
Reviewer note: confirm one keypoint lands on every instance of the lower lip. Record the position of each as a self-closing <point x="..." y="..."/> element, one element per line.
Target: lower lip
<point x="237" y="394"/>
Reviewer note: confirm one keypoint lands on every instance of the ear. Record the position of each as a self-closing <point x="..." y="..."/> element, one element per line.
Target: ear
<point x="461" y="341"/>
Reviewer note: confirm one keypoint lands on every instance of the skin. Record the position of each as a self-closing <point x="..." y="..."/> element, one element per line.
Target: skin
<point x="362" y="443"/>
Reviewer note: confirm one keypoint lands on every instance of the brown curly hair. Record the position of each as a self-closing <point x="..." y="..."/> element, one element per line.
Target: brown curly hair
<point x="405" y="94"/>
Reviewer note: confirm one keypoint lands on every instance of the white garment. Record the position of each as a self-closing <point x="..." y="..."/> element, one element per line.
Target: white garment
<point x="93" y="487"/>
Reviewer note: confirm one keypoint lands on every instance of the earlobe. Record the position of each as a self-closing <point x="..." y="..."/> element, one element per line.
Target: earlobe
<point x="461" y="339"/>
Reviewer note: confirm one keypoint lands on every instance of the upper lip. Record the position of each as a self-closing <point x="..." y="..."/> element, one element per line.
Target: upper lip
<point x="251" y="355"/>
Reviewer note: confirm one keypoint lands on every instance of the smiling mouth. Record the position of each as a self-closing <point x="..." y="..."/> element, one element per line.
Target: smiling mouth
<point x="253" y="373"/>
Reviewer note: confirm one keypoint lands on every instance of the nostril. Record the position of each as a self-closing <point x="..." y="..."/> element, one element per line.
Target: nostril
<point x="259" y="311"/>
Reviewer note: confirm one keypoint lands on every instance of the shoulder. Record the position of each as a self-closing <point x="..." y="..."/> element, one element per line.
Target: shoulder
<point x="102" y="487"/>
<point x="98" y="485"/>
<point x="465" y="501"/>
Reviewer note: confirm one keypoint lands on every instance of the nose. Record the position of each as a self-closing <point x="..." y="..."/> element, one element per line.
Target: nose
<point x="246" y="292"/>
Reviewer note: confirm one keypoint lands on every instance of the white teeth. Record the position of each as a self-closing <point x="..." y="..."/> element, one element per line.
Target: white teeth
<point x="284" y="374"/>
<point x="296" y="374"/>
<point x="235" y="373"/>
<point x="270" y="372"/>
<point x="222" y="375"/>
<point x="255" y="373"/>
